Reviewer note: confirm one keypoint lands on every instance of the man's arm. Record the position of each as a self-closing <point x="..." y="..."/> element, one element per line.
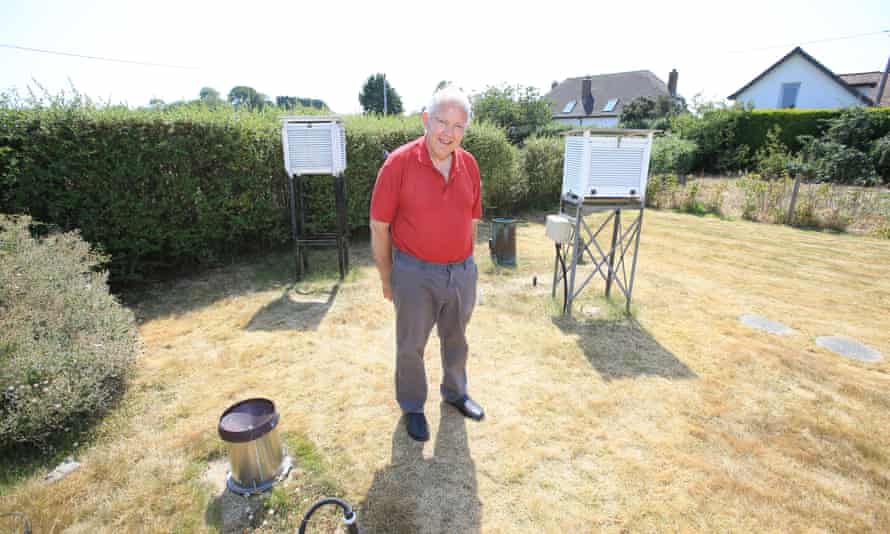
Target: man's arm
<point x="381" y="246"/>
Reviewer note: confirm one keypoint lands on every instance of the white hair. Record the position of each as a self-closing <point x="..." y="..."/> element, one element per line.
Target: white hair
<point x="450" y="95"/>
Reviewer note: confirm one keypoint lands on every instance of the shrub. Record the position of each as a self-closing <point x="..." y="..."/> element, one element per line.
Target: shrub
<point x="65" y="343"/>
<point x="647" y="112"/>
<point x="880" y="157"/>
<point x="692" y="204"/>
<point x="854" y="128"/>
<point x="671" y="154"/>
<point x="502" y="183"/>
<point x="764" y="200"/>
<point x="714" y="203"/>
<point x="774" y="159"/>
<point x="834" y="162"/>
<point x="541" y="164"/>
<point x="661" y="191"/>
<point x="504" y="187"/>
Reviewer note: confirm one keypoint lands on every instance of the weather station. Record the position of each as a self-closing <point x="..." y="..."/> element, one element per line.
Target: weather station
<point x="604" y="170"/>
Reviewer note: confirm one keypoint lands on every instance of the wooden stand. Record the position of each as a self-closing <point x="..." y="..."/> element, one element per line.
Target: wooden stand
<point x="339" y="238"/>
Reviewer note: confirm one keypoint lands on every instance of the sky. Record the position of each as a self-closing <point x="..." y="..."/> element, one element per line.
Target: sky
<point x="327" y="49"/>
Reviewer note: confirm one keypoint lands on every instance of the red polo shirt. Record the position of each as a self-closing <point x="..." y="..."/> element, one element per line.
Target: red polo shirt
<point x="428" y="218"/>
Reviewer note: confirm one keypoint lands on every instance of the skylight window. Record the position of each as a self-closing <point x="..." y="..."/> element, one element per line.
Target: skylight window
<point x="610" y="105"/>
<point x="569" y="107"/>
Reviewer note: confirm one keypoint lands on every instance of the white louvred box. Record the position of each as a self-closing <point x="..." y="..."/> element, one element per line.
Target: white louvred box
<point x="607" y="164"/>
<point x="313" y="145"/>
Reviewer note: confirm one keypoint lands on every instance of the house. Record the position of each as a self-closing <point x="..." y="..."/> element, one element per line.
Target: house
<point x="867" y="83"/>
<point x="598" y="100"/>
<point x="799" y="81"/>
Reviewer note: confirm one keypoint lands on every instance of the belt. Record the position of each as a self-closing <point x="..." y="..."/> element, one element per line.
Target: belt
<point x="429" y="265"/>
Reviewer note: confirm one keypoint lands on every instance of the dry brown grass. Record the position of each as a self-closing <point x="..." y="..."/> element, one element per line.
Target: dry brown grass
<point x="680" y="420"/>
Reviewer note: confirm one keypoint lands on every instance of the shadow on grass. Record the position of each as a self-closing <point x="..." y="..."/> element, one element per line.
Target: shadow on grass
<point x="274" y="270"/>
<point x="230" y="513"/>
<point x="294" y="310"/>
<point x="622" y="348"/>
<point x="20" y="462"/>
<point x="417" y="494"/>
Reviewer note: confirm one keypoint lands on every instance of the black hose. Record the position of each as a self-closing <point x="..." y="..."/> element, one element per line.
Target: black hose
<point x="565" y="282"/>
<point x="349" y="516"/>
<point x="23" y="517"/>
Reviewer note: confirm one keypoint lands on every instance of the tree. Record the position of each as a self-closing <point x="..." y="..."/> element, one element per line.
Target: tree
<point x="519" y="110"/>
<point x="371" y="97"/>
<point x="286" y="102"/>
<point x="443" y="84"/>
<point x="242" y="96"/>
<point x="646" y="112"/>
<point x="291" y="102"/>
<point x="209" y="96"/>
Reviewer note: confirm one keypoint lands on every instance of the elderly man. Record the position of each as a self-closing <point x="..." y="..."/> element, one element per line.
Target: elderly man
<point x="424" y="210"/>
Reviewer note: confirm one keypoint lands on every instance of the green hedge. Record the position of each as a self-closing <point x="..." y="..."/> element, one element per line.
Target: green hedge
<point x="192" y="186"/>
<point x="754" y="126"/>
<point x="155" y="191"/>
<point x="729" y="138"/>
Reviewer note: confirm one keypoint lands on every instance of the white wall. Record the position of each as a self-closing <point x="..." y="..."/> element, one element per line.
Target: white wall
<point x="599" y="122"/>
<point x="817" y="89"/>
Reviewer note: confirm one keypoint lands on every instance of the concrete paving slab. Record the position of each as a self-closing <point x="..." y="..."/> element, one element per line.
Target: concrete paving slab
<point x="849" y="348"/>
<point x="762" y="323"/>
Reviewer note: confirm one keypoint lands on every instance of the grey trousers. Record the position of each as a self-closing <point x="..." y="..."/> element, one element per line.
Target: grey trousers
<point x="425" y="294"/>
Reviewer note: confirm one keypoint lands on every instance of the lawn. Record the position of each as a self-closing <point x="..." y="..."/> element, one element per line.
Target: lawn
<point x="678" y="418"/>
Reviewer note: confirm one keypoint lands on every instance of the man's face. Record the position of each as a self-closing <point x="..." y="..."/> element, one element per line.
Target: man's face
<point x="444" y="129"/>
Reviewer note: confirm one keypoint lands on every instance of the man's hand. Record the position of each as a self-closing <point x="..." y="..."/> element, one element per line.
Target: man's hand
<point x="381" y="246"/>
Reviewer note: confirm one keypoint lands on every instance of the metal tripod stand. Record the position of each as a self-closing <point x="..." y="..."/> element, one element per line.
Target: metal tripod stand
<point x="609" y="263"/>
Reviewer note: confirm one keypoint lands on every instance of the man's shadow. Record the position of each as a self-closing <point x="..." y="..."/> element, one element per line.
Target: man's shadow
<point x="415" y="494"/>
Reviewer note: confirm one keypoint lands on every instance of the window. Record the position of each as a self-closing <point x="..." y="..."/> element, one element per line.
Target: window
<point x="789" y="95"/>
<point x="569" y="107"/>
<point x="610" y="105"/>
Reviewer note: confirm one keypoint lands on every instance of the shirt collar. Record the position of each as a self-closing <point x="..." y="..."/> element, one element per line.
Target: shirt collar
<point x="423" y="156"/>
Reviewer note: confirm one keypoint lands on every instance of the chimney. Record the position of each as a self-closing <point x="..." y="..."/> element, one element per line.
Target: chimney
<point x="672" y="83"/>
<point x="586" y="96"/>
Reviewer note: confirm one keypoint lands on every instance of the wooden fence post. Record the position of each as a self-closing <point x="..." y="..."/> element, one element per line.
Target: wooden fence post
<point x="789" y="216"/>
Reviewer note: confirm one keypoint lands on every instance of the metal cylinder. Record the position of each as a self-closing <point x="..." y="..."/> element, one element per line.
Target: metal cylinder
<point x="502" y="243"/>
<point x="250" y="430"/>
<point x="256" y="462"/>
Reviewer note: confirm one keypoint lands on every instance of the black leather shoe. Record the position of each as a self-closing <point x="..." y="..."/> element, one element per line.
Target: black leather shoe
<point x="417" y="427"/>
<point x="469" y="408"/>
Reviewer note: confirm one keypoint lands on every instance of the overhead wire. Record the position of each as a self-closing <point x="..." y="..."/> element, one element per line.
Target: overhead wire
<point x="826" y="40"/>
<point x="99" y="58"/>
